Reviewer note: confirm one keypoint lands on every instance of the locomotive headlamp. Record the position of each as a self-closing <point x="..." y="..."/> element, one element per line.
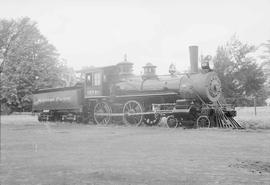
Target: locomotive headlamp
<point x="207" y="63"/>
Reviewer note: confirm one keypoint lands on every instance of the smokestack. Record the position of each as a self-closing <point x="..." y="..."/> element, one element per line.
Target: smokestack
<point x="193" y="55"/>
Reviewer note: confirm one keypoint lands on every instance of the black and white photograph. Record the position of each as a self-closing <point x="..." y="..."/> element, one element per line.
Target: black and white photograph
<point x="134" y="92"/>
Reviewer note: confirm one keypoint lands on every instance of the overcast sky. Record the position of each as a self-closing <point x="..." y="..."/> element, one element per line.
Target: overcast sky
<point x="99" y="33"/>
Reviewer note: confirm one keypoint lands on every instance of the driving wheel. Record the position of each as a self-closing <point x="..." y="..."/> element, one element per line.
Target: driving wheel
<point x="132" y="110"/>
<point x="102" y="113"/>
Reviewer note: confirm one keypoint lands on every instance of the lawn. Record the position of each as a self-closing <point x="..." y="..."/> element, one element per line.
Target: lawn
<point x="46" y="153"/>
<point x="247" y="118"/>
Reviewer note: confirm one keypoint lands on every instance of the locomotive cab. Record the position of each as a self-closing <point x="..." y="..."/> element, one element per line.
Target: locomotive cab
<point x="98" y="81"/>
<point x="93" y="84"/>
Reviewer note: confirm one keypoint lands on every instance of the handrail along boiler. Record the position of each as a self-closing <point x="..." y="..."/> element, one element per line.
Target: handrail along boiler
<point x="113" y="93"/>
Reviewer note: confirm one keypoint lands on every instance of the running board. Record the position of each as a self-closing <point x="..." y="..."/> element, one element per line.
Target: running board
<point x="144" y="113"/>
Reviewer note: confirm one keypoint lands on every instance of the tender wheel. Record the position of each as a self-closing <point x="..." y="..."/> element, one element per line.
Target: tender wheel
<point x="132" y="107"/>
<point x="151" y="119"/>
<point x="172" y="122"/>
<point x="102" y="113"/>
<point x="203" y="121"/>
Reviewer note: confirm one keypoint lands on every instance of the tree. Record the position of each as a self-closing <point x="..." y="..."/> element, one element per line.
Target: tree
<point x="67" y="74"/>
<point x="30" y="62"/>
<point x="240" y="75"/>
<point x="265" y="57"/>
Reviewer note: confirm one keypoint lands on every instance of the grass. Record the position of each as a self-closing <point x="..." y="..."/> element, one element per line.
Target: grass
<point x="63" y="153"/>
<point x="247" y="118"/>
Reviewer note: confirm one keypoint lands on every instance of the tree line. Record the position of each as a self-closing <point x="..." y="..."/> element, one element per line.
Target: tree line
<point x="31" y="62"/>
<point x="242" y="78"/>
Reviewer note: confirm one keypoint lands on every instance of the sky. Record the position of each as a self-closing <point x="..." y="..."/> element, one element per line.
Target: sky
<point x="101" y="32"/>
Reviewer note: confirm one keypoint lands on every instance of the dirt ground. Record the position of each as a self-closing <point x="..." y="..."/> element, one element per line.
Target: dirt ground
<point x="64" y="154"/>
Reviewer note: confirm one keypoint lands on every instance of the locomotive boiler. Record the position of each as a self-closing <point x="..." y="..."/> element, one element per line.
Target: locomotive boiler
<point x="114" y="94"/>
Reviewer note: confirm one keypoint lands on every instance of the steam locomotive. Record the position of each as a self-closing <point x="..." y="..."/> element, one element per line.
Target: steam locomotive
<point x="113" y="94"/>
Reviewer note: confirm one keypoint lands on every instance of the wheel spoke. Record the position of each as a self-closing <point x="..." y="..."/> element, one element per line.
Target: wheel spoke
<point x="203" y="121"/>
<point x="102" y="107"/>
<point x="137" y="109"/>
<point x="152" y="119"/>
<point x="136" y="118"/>
<point x="132" y="107"/>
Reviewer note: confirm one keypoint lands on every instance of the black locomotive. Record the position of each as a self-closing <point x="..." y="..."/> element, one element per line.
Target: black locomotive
<point x="114" y="94"/>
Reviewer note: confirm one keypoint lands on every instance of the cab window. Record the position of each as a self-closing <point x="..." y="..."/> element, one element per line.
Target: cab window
<point x="89" y="79"/>
<point x="97" y="79"/>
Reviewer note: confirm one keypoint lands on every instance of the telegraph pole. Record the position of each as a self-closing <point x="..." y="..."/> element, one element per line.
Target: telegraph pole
<point x="255" y="105"/>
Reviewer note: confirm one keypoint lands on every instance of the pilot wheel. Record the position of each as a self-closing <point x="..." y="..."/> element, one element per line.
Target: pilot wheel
<point x="203" y="121"/>
<point x="172" y="122"/>
<point x="151" y="119"/>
